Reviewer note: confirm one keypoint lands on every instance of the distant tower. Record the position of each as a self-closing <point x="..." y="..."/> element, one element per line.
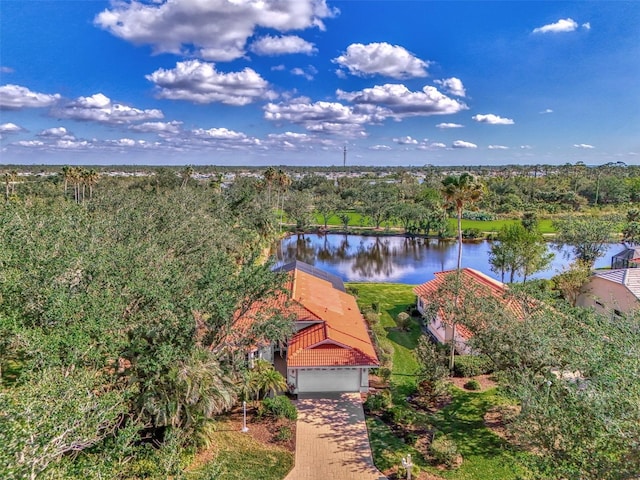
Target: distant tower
<point x="344" y="157"/>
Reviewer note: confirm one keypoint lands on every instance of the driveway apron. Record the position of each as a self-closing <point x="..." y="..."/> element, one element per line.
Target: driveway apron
<point x="332" y="440"/>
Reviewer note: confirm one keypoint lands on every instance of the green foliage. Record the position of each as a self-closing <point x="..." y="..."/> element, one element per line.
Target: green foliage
<point x="587" y="236"/>
<point x="378" y="401"/>
<point x="478" y="215"/>
<point x="279" y="407"/>
<point x="444" y="451"/>
<point x="372" y="318"/>
<point x="472" y="385"/>
<point x="471" y="233"/>
<point x="284" y="433"/>
<point x="403" y="320"/>
<point x="472" y="365"/>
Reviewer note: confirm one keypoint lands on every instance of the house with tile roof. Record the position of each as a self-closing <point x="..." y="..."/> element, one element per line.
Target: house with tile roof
<point x="331" y="350"/>
<point x="430" y="300"/>
<point x="612" y="292"/>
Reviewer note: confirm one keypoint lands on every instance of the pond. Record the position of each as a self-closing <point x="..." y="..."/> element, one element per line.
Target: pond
<point x="356" y="258"/>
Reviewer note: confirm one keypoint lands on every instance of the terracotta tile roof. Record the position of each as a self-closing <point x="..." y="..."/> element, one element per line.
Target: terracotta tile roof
<point x="475" y="283"/>
<point x="339" y="337"/>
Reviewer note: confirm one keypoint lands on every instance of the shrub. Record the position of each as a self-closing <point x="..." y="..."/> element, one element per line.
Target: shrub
<point x="478" y="215"/>
<point x="279" y="407"/>
<point x="403" y="320"/>
<point x="353" y="291"/>
<point x="378" y="401"/>
<point x="471" y="233"/>
<point x="375" y="306"/>
<point x="384" y="373"/>
<point x="472" y="365"/>
<point x="284" y="434"/>
<point x="372" y="318"/>
<point x="472" y="385"/>
<point x="444" y="451"/>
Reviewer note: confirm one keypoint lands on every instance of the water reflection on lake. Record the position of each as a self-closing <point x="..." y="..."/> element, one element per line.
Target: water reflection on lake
<point x="398" y="259"/>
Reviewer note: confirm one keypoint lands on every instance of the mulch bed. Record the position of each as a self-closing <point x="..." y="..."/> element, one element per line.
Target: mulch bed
<point x="263" y="430"/>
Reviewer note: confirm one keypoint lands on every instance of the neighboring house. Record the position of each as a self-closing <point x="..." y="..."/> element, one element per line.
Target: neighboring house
<point x="474" y="283"/>
<point x="613" y="292"/>
<point x="331" y="350"/>
<point x="627" y="258"/>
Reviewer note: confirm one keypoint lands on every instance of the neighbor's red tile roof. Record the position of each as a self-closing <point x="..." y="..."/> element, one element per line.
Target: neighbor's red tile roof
<point x="472" y="282"/>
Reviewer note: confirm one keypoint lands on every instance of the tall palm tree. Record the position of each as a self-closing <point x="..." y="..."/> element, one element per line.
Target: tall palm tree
<point x="459" y="191"/>
<point x="270" y="175"/>
<point x="186" y="174"/>
<point x="91" y="179"/>
<point x="284" y="181"/>
<point x="66" y="175"/>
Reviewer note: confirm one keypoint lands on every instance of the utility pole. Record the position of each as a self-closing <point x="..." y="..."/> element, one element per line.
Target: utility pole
<point x="344" y="157"/>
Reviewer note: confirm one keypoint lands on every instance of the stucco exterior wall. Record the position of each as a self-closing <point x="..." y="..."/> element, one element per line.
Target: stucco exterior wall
<point x="607" y="297"/>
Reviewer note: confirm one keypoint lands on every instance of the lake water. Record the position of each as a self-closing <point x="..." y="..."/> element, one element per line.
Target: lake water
<point x="401" y="260"/>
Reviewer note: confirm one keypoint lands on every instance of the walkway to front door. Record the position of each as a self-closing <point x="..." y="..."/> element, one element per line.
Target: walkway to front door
<point x="332" y="440"/>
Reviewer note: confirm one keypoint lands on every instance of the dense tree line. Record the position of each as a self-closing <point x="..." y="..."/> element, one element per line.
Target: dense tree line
<point x="116" y="322"/>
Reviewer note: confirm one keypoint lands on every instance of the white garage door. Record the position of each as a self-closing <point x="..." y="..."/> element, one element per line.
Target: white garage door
<point x="327" y="380"/>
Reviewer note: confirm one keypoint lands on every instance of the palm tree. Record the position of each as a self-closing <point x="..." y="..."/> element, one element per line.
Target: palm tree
<point x="459" y="191"/>
<point x="7" y="185"/>
<point x="186" y="174"/>
<point x="66" y="175"/>
<point x="91" y="177"/>
<point x="265" y="380"/>
<point x="270" y="175"/>
<point x="284" y="181"/>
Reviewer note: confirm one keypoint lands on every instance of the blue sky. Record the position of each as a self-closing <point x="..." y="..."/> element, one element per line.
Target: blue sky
<point x="264" y="82"/>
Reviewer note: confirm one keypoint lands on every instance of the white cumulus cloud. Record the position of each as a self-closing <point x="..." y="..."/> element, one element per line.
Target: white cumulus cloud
<point x="545" y="111"/>
<point x="401" y="102"/>
<point x="200" y="82"/>
<point x="271" y="46"/>
<point x="55" y="132"/>
<point x="380" y="147"/>
<point x="584" y="146"/>
<point x="100" y="108"/>
<point x="498" y="147"/>
<point x="381" y="59"/>
<point x="449" y="125"/>
<point x="14" y="97"/>
<point x="213" y="29"/>
<point x="562" y="25"/>
<point x="463" y="144"/>
<point x="324" y="117"/>
<point x="492" y="119"/>
<point x="10" y="128"/>
<point x="157" y="127"/>
<point x="407" y="140"/>
<point x="453" y="86"/>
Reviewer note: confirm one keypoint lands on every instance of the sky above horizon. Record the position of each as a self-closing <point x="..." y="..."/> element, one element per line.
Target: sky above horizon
<point x="294" y="82"/>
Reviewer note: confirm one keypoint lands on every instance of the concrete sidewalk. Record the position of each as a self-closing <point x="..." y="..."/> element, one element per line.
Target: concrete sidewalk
<point x="332" y="440"/>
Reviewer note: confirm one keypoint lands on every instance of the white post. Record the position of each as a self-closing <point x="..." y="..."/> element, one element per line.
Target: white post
<point x="408" y="465"/>
<point x="244" y="417"/>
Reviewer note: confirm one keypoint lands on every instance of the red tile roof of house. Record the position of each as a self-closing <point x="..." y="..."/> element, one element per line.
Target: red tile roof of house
<point x="472" y="282"/>
<point x="338" y="335"/>
<point x="340" y="339"/>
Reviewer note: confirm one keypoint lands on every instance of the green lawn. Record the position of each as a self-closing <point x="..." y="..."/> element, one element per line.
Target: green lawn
<point x="393" y="298"/>
<point x="356" y="220"/>
<point x="486" y="456"/>
<point x="240" y="457"/>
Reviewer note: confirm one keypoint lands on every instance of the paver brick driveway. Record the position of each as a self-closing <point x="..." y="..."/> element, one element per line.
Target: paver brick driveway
<point x="332" y="440"/>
